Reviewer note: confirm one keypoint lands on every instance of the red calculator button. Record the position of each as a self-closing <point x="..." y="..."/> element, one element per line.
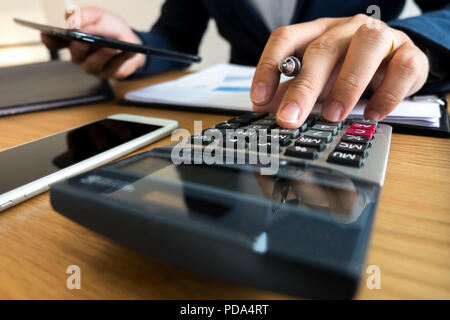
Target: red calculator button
<point x="367" y="127"/>
<point x="360" y="132"/>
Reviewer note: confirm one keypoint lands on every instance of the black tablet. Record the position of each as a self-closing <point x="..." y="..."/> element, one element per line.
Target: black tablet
<point x="69" y="34"/>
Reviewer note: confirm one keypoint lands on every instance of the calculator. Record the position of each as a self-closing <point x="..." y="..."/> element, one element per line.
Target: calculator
<point x="302" y="229"/>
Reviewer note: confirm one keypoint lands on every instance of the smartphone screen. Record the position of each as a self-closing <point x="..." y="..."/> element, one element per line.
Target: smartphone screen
<point x="29" y="162"/>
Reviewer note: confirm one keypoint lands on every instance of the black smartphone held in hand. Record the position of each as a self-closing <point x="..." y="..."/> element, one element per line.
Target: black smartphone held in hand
<point x="96" y="40"/>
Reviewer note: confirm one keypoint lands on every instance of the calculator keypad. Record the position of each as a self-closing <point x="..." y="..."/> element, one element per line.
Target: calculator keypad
<point x="313" y="140"/>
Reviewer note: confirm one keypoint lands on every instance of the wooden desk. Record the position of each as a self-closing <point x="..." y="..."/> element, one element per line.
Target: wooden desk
<point x="410" y="243"/>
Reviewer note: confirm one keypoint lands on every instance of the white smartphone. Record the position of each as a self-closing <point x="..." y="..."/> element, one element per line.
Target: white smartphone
<point x="29" y="169"/>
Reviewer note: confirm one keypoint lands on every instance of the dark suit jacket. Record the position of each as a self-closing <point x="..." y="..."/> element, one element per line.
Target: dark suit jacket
<point x="182" y="24"/>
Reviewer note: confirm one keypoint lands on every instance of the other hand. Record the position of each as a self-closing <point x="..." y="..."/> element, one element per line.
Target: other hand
<point x="102" y="62"/>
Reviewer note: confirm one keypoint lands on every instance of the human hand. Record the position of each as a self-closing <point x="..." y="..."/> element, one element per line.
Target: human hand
<point x="102" y="62"/>
<point x="341" y="58"/>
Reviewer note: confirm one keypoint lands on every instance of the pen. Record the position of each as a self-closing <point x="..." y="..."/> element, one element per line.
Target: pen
<point x="290" y="66"/>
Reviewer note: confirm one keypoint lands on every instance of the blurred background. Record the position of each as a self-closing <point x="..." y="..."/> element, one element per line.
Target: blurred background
<point x="19" y="45"/>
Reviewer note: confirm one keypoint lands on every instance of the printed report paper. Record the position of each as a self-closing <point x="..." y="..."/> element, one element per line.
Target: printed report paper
<point x="227" y="86"/>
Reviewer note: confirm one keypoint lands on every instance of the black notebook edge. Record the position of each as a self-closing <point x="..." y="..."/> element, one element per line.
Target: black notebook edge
<point x="106" y="94"/>
<point x="443" y="131"/>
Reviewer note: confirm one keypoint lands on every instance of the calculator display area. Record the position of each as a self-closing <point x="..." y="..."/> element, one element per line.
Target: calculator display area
<point x="339" y="196"/>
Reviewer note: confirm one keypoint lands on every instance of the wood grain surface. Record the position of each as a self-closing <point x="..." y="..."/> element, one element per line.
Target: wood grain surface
<point x="410" y="242"/>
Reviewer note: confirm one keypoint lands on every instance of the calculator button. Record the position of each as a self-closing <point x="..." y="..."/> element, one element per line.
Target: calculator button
<point x="359" y="132"/>
<point x="243" y="133"/>
<point x="316" y="143"/>
<point x="339" y="125"/>
<point x="344" y="158"/>
<point x="239" y="120"/>
<point x="234" y="142"/>
<point x="368" y="127"/>
<point x="353" y="138"/>
<point x="253" y="116"/>
<point x="365" y="122"/>
<point x="201" y="140"/>
<point x="302" y="152"/>
<point x="303" y="127"/>
<point x="326" y="136"/>
<point x="349" y="147"/>
<point x="264" y="147"/>
<point x="310" y="121"/>
<point x="283" y="139"/>
<point x="258" y="127"/>
<point x="227" y="125"/>
<point x="270" y="123"/>
<point x="293" y="133"/>
<point x="212" y="132"/>
<point x="326" y="127"/>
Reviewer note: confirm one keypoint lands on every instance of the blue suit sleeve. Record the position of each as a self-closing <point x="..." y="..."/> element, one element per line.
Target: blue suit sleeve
<point x="180" y="27"/>
<point x="431" y="32"/>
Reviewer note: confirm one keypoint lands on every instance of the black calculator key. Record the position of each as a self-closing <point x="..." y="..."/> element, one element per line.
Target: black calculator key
<point x="283" y="139"/>
<point x="241" y="121"/>
<point x="310" y="121"/>
<point x="349" y="147"/>
<point x="201" y="140"/>
<point x="263" y="147"/>
<point x="346" y="159"/>
<point x="247" y="133"/>
<point x="253" y="116"/>
<point x="354" y="138"/>
<point x="234" y="142"/>
<point x="227" y="125"/>
<point x="213" y="132"/>
<point x="316" y="143"/>
<point x="326" y="127"/>
<point x="302" y="152"/>
<point x="270" y="123"/>
<point x="375" y="123"/>
<point x="326" y="136"/>
<point x="339" y="125"/>
<point x="293" y="133"/>
<point x="258" y="127"/>
<point x="303" y="127"/>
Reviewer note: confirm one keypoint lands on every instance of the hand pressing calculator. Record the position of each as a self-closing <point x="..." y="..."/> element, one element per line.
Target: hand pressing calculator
<point x="302" y="230"/>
